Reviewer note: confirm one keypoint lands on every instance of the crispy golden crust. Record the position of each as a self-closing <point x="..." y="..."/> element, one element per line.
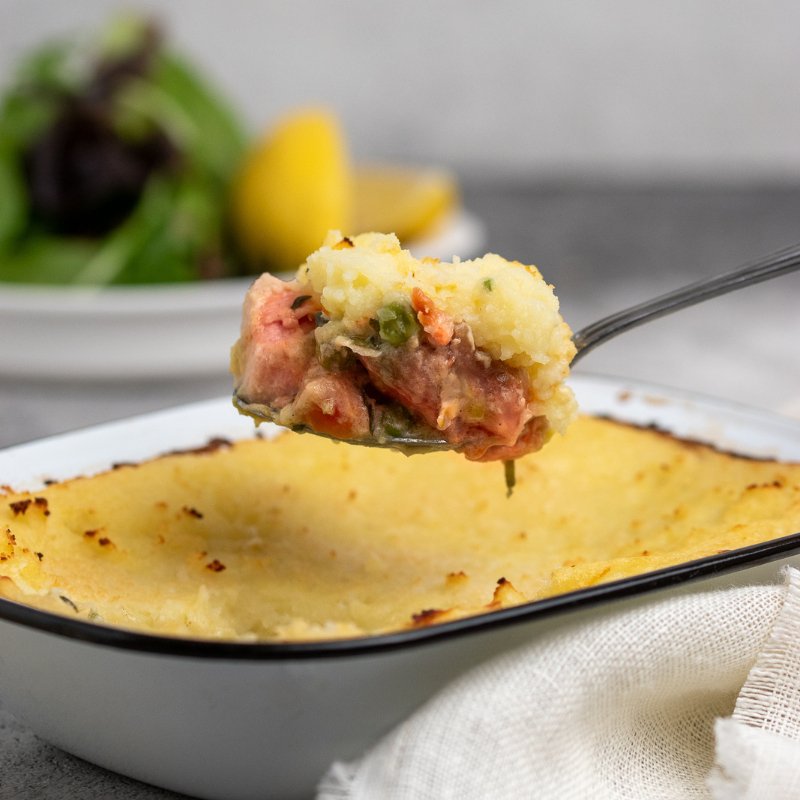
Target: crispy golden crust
<point x="299" y="538"/>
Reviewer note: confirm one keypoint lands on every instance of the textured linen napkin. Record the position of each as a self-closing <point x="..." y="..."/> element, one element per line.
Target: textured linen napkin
<point x="697" y="696"/>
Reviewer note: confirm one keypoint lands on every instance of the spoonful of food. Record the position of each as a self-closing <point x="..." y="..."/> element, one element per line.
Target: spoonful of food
<point x="372" y="346"/>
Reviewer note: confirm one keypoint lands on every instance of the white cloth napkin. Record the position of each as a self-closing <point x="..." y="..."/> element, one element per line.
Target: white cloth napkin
<point x="697" y="696"/>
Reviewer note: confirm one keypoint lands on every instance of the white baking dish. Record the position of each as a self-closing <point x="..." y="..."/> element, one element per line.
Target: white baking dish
<point x="242" y="720"/>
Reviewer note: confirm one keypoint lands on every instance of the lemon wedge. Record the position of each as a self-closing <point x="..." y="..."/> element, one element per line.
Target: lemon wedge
<point x="293" y="187"/>
<point x="297" y="183"/>
<point x="408" y="202"/>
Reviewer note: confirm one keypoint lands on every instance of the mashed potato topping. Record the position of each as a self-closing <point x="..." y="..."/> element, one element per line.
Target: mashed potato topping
<point x="512" y="312"/>
<point x="302" y="538"/>
<point x="369" y="339"/>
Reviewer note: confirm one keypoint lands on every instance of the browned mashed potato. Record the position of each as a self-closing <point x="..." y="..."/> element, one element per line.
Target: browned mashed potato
<point x="301" y="538"/>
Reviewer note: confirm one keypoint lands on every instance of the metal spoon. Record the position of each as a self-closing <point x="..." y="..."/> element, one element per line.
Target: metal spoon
<point x="589" y="337"/>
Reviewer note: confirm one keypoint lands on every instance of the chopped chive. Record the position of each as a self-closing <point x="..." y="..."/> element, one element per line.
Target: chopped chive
<point x="299" y="300"/>
<point x="511" y="477"/>
<point x="488" y="284"/>
<point x="69" y="602"/>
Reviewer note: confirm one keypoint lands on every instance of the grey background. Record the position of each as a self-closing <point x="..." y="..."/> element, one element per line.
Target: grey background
<point x="544" y="87"/>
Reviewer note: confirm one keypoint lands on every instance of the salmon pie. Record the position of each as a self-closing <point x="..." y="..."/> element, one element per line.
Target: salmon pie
<point x="368" y="342"/>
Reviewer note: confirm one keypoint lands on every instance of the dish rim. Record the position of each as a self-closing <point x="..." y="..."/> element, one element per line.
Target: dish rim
<point x="726" y="562"/>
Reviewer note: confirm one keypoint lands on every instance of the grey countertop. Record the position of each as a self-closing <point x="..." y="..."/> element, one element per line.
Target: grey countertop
<point x="604" y="246"/>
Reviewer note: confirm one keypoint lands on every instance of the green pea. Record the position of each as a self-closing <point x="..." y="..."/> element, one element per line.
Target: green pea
<point x="397" y="323"/>
<point x="395" y="420"/>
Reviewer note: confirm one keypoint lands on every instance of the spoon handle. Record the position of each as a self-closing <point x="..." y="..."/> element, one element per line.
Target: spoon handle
<point x="780" y="263"/>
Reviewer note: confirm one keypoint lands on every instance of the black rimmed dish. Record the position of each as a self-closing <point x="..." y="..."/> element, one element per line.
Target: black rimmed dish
<point x="252" y="720"/>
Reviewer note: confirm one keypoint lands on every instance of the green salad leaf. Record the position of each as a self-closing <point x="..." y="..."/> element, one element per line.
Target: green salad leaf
<point x="115" y="164"/>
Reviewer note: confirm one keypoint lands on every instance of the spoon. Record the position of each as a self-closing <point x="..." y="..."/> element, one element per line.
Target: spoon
<point x="593" y="335"/>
